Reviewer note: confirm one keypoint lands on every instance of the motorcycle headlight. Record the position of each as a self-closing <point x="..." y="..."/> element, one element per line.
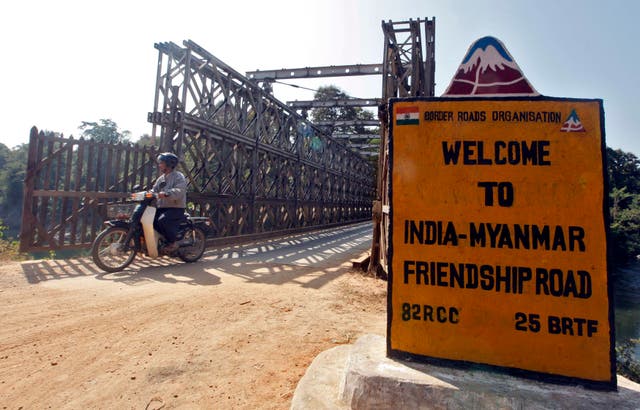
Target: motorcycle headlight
<point x="138" y="196"/>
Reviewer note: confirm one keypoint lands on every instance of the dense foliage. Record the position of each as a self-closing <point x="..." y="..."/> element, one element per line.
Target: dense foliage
<point x="13" y="168"/>
<point x="344" y="113"/>
<point x="105" y="131"/>
<point x="628" y="365"/>
<point x="624" y="204"/>
<point x="339" y="113"/>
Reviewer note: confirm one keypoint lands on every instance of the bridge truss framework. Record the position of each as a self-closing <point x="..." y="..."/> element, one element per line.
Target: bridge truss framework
<point x="254" y="164"/>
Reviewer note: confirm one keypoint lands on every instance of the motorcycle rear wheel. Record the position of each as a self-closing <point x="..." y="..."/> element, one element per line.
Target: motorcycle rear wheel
<point x="108" y="250"/>
<point x="194" y="252"/>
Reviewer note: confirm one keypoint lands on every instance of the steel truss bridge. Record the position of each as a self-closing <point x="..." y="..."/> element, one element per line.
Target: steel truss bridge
<point x="256" y="166"/>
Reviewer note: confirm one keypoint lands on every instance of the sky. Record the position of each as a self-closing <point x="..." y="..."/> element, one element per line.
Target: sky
<point x="64" y="62"/>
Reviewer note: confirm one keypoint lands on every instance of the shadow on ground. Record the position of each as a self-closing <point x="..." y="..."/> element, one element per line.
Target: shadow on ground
<point x="141" y="271"/>
<point x="310" y="260"/>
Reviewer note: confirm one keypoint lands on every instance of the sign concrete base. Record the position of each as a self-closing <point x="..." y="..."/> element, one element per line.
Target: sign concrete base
<point x="360" y="376"/>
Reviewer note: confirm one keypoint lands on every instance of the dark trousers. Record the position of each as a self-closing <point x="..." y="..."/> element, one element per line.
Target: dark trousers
<point x="167" y="221"/>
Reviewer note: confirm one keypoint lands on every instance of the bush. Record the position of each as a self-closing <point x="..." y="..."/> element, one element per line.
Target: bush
<point x="628" y="365"/>
<point x="8" y="247"/>
<point x="624" y="204"/>
<point x="625" y="228"/>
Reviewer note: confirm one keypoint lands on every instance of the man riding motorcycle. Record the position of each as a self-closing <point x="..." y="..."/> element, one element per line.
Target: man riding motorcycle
<point x="171" y="188"/>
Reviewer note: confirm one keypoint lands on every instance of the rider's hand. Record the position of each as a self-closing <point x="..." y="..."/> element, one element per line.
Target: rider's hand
<point x="162" y="195"/>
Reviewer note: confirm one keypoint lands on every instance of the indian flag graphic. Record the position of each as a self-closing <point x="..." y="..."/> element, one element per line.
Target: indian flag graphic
<point x="407" y="115"/>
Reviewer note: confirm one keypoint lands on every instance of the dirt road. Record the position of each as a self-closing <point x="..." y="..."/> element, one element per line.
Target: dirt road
<point x="235" y="330"/>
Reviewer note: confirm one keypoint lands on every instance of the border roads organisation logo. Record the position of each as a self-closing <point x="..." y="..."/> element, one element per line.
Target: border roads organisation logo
<point x="573" y="123"/>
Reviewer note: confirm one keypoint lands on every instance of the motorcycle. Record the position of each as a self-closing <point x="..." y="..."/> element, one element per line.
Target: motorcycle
<point x="131" y="232"/>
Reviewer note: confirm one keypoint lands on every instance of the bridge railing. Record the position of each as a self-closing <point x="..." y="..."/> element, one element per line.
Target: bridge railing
<point x="69" y="183"/>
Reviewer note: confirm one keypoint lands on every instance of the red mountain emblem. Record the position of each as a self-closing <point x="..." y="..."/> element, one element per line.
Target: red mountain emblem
<point x="489" y="70"/>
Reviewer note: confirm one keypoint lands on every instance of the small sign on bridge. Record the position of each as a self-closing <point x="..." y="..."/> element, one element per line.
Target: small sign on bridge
<point x="498" y="236"/>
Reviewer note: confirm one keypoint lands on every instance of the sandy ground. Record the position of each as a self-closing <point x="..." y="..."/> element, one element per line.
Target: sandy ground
<point x="235" y="330"/>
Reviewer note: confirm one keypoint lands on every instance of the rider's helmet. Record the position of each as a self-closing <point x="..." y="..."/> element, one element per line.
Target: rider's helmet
<point x="170" y="159"/>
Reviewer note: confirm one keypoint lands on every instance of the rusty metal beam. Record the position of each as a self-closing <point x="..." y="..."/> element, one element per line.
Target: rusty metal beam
<point x="349" y="123"/>
<point x="408" y="71"/>
<point x="355" y="136"/>
<point x="338" y="102"/>
<point x="316" y="72"/>
<point x="363" y="146"/>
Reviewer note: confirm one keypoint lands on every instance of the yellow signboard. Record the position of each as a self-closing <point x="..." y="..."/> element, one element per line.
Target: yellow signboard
<point x="498" y="249"/>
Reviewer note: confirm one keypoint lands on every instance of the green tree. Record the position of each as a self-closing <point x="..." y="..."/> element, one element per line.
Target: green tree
<point x="339" y="113"/>
<point x="147" y="140"/>
<point x="623" y="169"/>
<point x="628" y="364"/>
<point x="345" y="113"/>
<point x="625" y="225"/>
<point x="105" y="130"/>
<point x="13" y="164"/>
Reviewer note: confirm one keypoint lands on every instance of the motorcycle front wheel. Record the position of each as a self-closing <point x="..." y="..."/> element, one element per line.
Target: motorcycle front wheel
<point x="109" y="251"/>
<point x="194" y="252"/>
